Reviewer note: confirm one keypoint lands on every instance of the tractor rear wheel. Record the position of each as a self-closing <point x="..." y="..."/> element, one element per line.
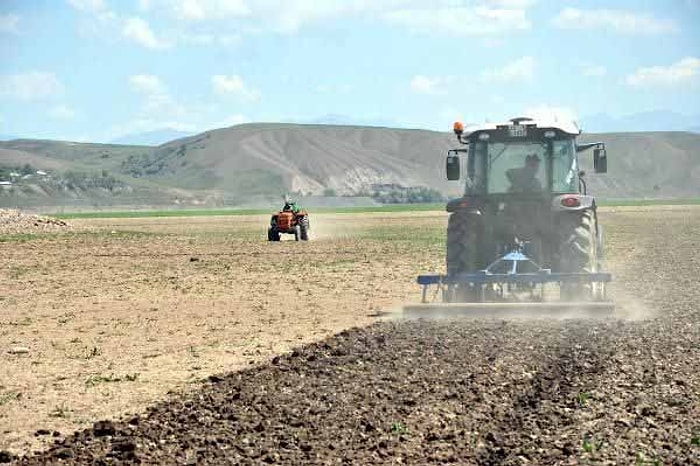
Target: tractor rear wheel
<point x="463" y="244"/>
<point x="578" y="253"/>
<point x="273" y="234"/>
<point x="304" y="228"/>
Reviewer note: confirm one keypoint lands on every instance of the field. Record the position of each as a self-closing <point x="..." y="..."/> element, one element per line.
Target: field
<point x="130" y="319"/>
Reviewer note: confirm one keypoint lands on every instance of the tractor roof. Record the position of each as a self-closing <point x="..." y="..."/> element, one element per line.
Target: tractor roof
<point x="568" y="127"/>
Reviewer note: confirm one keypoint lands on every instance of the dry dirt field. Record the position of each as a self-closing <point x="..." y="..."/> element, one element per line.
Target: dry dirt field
<point x="128" y="319"/>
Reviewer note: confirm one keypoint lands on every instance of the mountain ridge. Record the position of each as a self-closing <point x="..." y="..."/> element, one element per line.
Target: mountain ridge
<point x="262" y="161"/>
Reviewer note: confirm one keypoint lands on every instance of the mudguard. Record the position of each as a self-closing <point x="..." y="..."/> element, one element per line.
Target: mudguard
<point x="585" y="203"/>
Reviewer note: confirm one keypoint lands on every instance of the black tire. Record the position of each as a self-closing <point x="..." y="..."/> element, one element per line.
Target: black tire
<point x="462" y="243"/>
<point x="304" y="228"/>
<point x="463" y="246"/>
<point x="578" y="253"/>
<point x="273" y="234"/>
<point x="297" y="232"/>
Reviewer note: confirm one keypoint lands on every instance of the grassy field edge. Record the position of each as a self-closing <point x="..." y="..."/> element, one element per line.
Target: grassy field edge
<point x="333" y="210"/>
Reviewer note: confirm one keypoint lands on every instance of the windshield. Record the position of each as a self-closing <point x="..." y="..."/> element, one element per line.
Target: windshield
<point x="564" y="167"/>
<point x="516" y="167"/>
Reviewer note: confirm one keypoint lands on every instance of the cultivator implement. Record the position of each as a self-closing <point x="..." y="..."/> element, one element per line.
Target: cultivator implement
<point x="513" y="285"/>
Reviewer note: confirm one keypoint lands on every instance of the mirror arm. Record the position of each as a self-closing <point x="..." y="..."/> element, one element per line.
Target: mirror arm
<point x="589" y="145"/>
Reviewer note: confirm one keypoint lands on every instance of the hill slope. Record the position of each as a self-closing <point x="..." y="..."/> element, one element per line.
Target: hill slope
<point x="233" y="166"/>
<point x="654" y="164"/>
<point x="308" y="158"/>
<point x="151" y="138"/>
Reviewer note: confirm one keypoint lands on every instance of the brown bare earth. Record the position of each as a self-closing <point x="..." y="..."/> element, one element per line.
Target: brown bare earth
<point x="111" y="316"/>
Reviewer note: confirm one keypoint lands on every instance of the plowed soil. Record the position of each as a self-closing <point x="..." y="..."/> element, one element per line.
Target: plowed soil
<point x="115" y="316"/>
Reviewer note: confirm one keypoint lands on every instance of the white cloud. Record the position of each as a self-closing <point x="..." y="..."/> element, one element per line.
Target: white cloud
<point x="282" y="16"/>
<point x="190" y="10"/>
<point x="232" y="120"/>
<point x="622" y="21"/>
<point x="200" y="10"/>
<point x="196" y="38"/>
<point x="551" y="113"/>
<point x="460" y="21"/>
<point x="147" y="84"/>
<point x="225" y="22"/>
<point x="517" y="4"/>
<point x="9" y="23"/>
<point x="290" y="16"/>
<point x="158" y="100"/>
<point x="143" y="124"/>
<point x="35" y="85"/>
<point x="138" y="30"/>
<point x="227" y="84"/>
<point x="682" y="72"/>
<point x="144" y="5"/>
<point x="61" y="112"/>
<point x="89" y="6"/>
<point x="522" y="69"/>
<point x="244" y="17"/>
<point x="435" y="85"/>
<point x="593" y="70"/>
<point x="108" y="24"/>
<point x="333" y="88"/>
<point x="233" y="85"/>
<point x="163" y="104"/>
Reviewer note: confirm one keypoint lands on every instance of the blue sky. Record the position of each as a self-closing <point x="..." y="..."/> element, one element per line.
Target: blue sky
<point x="95" y="70"/>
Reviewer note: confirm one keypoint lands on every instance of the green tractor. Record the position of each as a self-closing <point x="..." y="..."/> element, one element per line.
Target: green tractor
<point x="526" y="232"/>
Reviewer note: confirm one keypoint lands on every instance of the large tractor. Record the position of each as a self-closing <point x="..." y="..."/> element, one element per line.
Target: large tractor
<point x="525" y="234"/>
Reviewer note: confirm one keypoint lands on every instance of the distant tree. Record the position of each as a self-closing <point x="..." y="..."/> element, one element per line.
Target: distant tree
<point x="27" y="169"/>
<point x="407" y="195"/>
<point x="329" y="192"/>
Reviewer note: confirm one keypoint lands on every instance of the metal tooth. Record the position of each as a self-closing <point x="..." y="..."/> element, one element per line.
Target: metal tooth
<point x="510" y="309"/>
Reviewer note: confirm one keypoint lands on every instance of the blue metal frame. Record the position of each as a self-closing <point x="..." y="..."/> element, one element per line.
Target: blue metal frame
<point x="544" y="276"/>
<point x="511" y="262"/>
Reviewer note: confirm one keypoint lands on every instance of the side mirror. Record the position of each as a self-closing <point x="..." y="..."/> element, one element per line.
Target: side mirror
<point x="452" y="166"/>
<point x="600" y="161"/>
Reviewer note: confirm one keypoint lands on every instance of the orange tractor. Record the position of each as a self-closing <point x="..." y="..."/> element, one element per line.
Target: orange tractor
<point x="291" y="221"/>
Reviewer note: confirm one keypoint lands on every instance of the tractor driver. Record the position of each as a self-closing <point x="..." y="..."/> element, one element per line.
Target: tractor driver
<point x="524" y="179"/>
<point x="290" y="206"/>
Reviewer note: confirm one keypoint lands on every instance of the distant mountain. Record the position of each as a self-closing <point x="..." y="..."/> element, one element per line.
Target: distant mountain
<point x="151" y="138"/>
<point x="8" y="137"/>
<point x="257" y="163"/>
<point x="277" y="158"/>
<point x="345" y="120"/>
<point x="659" y="120"/>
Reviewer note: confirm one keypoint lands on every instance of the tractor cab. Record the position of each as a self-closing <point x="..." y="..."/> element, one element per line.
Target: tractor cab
<point x="522" y="157"/>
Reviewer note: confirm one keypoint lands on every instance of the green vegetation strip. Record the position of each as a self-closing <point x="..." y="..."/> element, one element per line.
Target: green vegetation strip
<point x="334" y="210"/>
<point x="219" y="212"/>
<point x="644" y="202"/>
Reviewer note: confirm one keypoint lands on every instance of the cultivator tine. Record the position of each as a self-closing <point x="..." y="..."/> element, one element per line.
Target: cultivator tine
<point x="510" y="309"/>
